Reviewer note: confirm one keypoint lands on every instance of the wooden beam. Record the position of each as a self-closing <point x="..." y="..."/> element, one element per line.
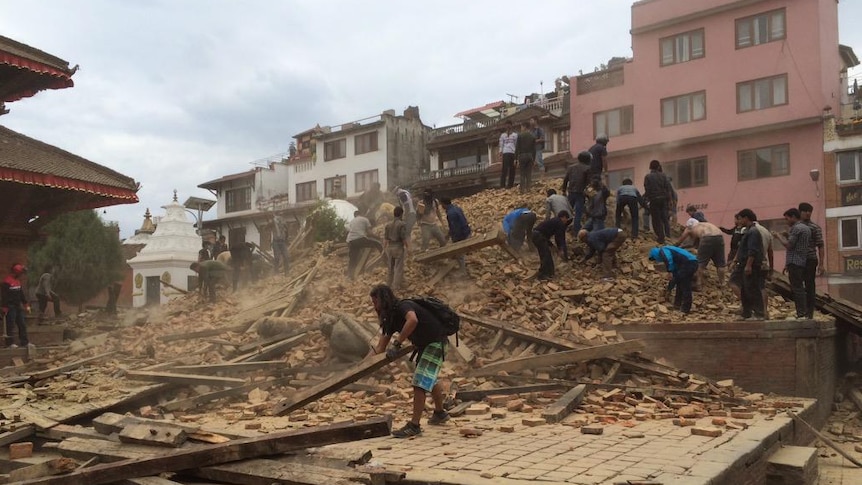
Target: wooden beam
<point x="521" y="333"/>
<point x="184" y="292"/>
<point x="19" y="434"/>
<point x="38" y="376"/>
<point x="272" y="350"/>
<point x="231" y="368"/>
<point x="267" y="472"/>
<point x="55" y="466"/>
<point x="441" y="273"/>
<point x="564" y="405"/>
<point x="151" y="435"/>
<point x="184" y="379"/>
<point x="475" y="243"/>
<point x="367" y="367"/>
<point x="210" y="455"/>
<point x="212" y="332"/>
<point x="482" y="394"/>
<point x="191" y="402"/>
<point x="461" y="349"/>
<point x="560" y="358"/>
<point x="275" y="338"/>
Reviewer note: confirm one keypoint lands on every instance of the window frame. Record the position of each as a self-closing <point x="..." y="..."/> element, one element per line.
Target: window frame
<point x="623" y="113"/>
<point x="857" y="179"/>
<point x="373" y="143"/>
<point x="752" y="85"/>
<point x="328" y="185"/>
<point x="301" y="191"/>
<point x="858" y="220"/>
<point x="616" y="177"/>
<point x="690" y="97"/>
<point x="358" y="187"/>
<point x="330" y="146"/>
<point x="750" y="21"/>
<point x="231" y="196"/>
<point x="753" y="151"/>
<point x="677" y="57"/>
<point x="564" y="138"/>
<point x="671" y="169"/>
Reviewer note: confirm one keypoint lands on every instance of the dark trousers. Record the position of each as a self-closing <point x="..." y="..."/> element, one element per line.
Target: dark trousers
<point x="658" y="214"/>
<point x="43" y="304"/>
<point x="507" y="176"/>
<point x="525" y="164"/>
<point x="279" y="254"/>
<point x="354" y="249"/>
<point x="797" y="285"/>
<point x="684" y="279"/>
<point x="577" y="201"/>
<point x="546" y="265"/>
<point x="752" y="296"/>
<point x="15" y="318"/>
<point x="521" y="230"/>
<point x="809" y="282"/>
<point x="632" y="203"/>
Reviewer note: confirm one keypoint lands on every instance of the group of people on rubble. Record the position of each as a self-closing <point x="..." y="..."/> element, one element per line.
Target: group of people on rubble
<point x="15" y="306"/>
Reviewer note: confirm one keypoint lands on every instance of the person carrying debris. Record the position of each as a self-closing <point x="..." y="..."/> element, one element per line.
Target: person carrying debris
<point x="518" y="224"/>
<point x="556" y="203"/>
<point x="279" y="243"/>
<point x="576" y="180"/>
<point x="430" y="220"/>
<point x="597" y="204"/>
<point x="541" y="237"/>
<point x="709" y="242"/>
<point x="459" y="228"/>
<point x="396" y="247"/>
<point x="45" y="293"/>
<point x="628" y="196"/>
<point x="14" y="303"/>
<point x="357" y="240"/>
<point x="681" y="267"/>
<point x="416" y="323"/>
<point x="605" y="243"/>
<point x="210" y="272"/>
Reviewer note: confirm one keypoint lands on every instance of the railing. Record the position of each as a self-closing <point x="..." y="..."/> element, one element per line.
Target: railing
<point x="849" y="120"/>
<point x="597" y="81"/>
<point x="554" y="105"/>
<point x="466" y="126"/>
<point x="454" y="171"/>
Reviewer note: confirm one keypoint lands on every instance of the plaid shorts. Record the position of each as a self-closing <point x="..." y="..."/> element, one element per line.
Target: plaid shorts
<point x="429" y="366"/>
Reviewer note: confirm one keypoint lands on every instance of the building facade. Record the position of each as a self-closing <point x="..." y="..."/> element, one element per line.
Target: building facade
<point x="730" y="95"/>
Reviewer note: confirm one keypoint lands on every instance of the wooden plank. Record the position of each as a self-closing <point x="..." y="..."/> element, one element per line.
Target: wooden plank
<point x="149" y="481"/>
<point x="231" y="368"/>
<point x="332" y="457"/>
<point x="273" y="350"/>
<point x="521" y="333"/>
<point x="48" y="468"/>
<point x="107" y="451"/>
<point x="367" y="367"/>
<point x="184" y="379"/>
<point x="564" y="405"/>
<point x="152" y="435"/>
<point x="561" y="358"/>
<point x="64" y="431"/>
<point x="19" y="434"/>
<point x="612" y="373"/>
<point x="479" y="395"/>
<point x="441" y="273"/>
<point x="212" y="332"/>
<point x="191" y="402"/>
<point x="177" y="288"/>
<point x="28" y="415"/>
<point x="493" y="238"/>
<point x="461" y="408"/>
<point x="38" y="376"/>
<point x="267" y="472"/>
<point x="650" y="367"/>
<point x="461" y="349"/>
<point x="495" y="342"/>
<point x="211" y="455"/>
<point x="276" y="338"/>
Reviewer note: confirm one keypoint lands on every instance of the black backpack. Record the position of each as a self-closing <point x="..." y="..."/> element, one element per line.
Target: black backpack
<point x="448" y="318"/>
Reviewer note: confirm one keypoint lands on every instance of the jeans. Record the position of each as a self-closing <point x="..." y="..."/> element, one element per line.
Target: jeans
<point x="507" y="176"/>
<point x="395" y="263"/>
<point x="546" y="265"/>
<point x="609" y="256"/>
<point x="526" y="167"/>
<point x="15" y="318"/>
<point x="797" y="285"/>
<point x="43" y="304"/>
<point x="660" y="223"/>
<point x="684" y="278"/>
<point x="646" y="219"/>
<point x="752" y="297"/>
<point x="279" y="254"/>
<point x="577" y="201"/>
<point x="809" y="283"/>
<point x="354" y="249"/>
<point x="521" y="230"/>
<point x="540" y="160"/>
<point x="409" y="222"/>
<point x="595" y="224"/>
<point x="632" y="203"/>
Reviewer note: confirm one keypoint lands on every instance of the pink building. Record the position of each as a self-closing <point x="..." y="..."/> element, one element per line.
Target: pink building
<point x="729" y="95"/>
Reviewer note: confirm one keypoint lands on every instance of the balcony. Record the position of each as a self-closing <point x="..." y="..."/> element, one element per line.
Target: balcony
<point x="608" y="78"/>
<point x="850" y="119"/>
<point x="454" y="171"/>
<point x="468" y="125"/>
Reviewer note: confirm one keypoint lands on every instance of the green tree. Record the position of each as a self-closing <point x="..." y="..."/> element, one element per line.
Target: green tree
<point x="327" y="225"/>
<point x="86" y="254"/>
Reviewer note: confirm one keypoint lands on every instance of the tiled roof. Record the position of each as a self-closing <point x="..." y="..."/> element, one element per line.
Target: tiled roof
<point x="22" y="153"/>
<point x="213" y="184"/>
<point x="33" y="54"/>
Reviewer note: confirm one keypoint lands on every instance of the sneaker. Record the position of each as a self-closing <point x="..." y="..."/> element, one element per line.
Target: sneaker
<point x="439" y="417"/>
<point x="407" y="431"/>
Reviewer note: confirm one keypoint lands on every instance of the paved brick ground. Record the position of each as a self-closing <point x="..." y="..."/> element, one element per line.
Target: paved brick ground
<point x="562" y="454"/>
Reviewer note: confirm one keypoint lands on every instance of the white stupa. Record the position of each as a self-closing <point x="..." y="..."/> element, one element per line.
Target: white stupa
<point x="166" y="258"/>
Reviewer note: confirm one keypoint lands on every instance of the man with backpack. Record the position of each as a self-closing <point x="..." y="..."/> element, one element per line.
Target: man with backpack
<point x="426" y="323"/>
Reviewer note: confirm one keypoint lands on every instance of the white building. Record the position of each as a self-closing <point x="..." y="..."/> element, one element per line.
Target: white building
<point x="166" y="257"/>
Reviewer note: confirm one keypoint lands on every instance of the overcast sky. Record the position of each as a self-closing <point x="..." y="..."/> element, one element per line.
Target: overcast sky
<point x="178" y="92"/>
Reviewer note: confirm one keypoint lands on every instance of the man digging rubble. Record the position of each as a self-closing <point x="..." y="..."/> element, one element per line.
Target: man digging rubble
<point x="415" y="323"/>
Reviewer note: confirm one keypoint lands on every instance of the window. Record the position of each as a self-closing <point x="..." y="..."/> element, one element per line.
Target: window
<point x="687" y="173"/>
<point x="763" y="162"/>
<point x="563" y="140"/>
<point x="334" y="149"/>
<point x="614" y="122"/>
<point x="335" y="186"/>
<point x="682" y="47"/>
<point x="364" y="180"/>
<point x="849" y="230"/>
<point x="238" y="199"/>
<point x="616" y="177"/>
<point x="365" y="143"/>
<point x="683" y="109"/>
<point x="761" y="93"/>
<point x="848" y="167"/>
<point x="306" y="191"/>
<point x="760" y="29"/>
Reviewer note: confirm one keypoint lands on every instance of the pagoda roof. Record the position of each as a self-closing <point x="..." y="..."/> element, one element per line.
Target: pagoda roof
<point x="26" y="70"/>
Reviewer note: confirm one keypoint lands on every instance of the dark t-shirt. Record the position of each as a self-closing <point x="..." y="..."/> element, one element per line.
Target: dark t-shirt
<point x="599" y="152"/>
<point x="428" y="330"/>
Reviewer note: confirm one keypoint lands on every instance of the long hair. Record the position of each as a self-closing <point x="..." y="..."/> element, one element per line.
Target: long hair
<point x="386" y="297"/>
